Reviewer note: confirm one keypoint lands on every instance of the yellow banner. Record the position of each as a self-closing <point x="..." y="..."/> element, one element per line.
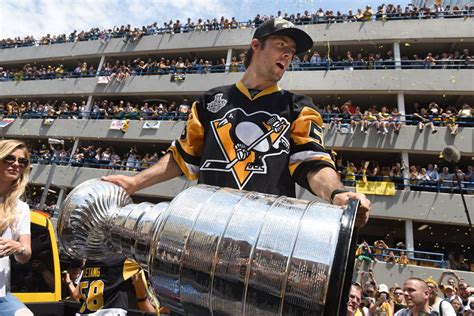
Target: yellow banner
<point x="374" y="187"/>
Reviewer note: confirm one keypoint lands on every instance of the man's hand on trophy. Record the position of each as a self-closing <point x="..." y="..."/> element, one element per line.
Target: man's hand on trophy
<point x="362" y="216"/>
<point x="126" y="182"/>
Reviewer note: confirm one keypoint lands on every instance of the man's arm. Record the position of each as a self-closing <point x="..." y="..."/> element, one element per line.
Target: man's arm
<point x="440" y="280"/>
<point x="371" y="278"/>
<point x="143" y="302"/>
<point x="325" y="180"/>
<point x="71" y="287"/>
<point x="165" y="169"/>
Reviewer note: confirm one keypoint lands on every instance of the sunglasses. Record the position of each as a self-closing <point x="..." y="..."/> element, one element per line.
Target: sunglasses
<point x="10" y="159"/>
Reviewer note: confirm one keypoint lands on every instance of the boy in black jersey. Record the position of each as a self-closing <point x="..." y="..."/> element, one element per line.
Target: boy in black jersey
<point x="102" y="289"/>
<point x="253" y="135"/>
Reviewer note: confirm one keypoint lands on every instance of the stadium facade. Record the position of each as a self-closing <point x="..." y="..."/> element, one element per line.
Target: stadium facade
<point x="394" y="218"/>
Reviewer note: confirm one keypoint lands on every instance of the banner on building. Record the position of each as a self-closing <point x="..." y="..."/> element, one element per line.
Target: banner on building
<point x="119" y="125"/>
<point x="375" y="187"/>
<point x="103" y="80"/>
<point x="6" y="121"/>
<point x="48" y="121"/>
<point x="151" y="124"/>
<point x="344" y="128"/>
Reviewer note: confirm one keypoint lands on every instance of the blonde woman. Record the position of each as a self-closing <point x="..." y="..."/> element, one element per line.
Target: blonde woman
<point x="14" y="219"/>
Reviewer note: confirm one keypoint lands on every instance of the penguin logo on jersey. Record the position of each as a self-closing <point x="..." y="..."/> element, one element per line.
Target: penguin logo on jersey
<point x="246" y="141"/>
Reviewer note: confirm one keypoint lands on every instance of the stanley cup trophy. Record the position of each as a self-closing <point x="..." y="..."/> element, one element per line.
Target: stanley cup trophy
<point x="220" y="251"/>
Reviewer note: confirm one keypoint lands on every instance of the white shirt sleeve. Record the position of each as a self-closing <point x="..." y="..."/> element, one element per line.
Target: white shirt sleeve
<point x="23" y="224"/>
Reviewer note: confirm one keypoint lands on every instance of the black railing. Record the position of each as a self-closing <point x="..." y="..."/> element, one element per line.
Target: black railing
<point x="98" y="115"/>
<point x="327" y="64"/>
<point x="401" y="183"/>
<point x="20" y="76"/>
<point x="323" y="65"/>
<point x="414" y="256"/>
<point x="407" y="119"/>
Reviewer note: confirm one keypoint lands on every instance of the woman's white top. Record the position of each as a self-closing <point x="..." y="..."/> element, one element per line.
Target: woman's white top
<point x="22" y="228"/>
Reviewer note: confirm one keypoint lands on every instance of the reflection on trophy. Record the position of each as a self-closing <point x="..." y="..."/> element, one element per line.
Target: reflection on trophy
<point x="219" y="251"/>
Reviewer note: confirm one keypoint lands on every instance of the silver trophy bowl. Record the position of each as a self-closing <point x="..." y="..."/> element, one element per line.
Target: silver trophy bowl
<point x="220" y="251"/>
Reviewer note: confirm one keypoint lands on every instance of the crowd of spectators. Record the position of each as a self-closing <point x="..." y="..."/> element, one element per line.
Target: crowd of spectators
<point x="445" y="60"/>
<point x="121" y="69"/>
<point x="133" y="34"/>
<point x="418" y="178"/>
<point x="348" y="117"/>
<point x="432" y="115"/>
<point x="449" y="295"/>
<point x="398" y="254"/>
<point x="44" y="109"/>
<point x="43" y="72"/>
<point x="148" y="110"/>
<point x="457" y="262"/>
<point x="32" y="197"/>
<point x="372" y="60"/>
<point x="163" y="66"/>
<point x="100" y="109"/>
<point x="381" y="252"/>
<point x="94" y="157"/>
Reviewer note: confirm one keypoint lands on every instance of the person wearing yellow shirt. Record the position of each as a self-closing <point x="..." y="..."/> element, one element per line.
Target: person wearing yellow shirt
<point x="379" y="249"/>
<point x="84" y="69"/>
<point x="351" y="171"/>
<point x="403" y="260"/>
<point x="367" y="14"/>
<point x="234" y="65"/>
<point x="59" y="71"/>
<point x="370" y="118"/>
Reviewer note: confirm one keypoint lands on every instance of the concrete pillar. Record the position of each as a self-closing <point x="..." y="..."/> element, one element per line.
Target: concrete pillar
<point x="397" y="55"/>
<point x="89" y="106"/>
<point x="47" y="185"/>
<point x="74" y="148"/>
<point x="101" y="64"/>
<point x="59" y="202"/>
<point x="406" y="166"/>
<point x="409" y="237"/>
<point x="228" y="60"/>
<point x="401" y="105"/>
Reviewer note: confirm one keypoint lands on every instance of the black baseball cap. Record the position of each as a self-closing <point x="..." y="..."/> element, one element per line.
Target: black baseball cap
<point x="278" y="26"/>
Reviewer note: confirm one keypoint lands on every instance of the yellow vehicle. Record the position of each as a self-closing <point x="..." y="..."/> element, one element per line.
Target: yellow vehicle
<point x="38" y="282"/>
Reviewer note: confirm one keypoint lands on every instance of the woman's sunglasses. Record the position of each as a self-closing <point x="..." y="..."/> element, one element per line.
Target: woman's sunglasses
<point x="10" y="159"/>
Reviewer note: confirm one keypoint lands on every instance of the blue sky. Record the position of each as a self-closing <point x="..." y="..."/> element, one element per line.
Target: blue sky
<point x="40" y="17"/>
